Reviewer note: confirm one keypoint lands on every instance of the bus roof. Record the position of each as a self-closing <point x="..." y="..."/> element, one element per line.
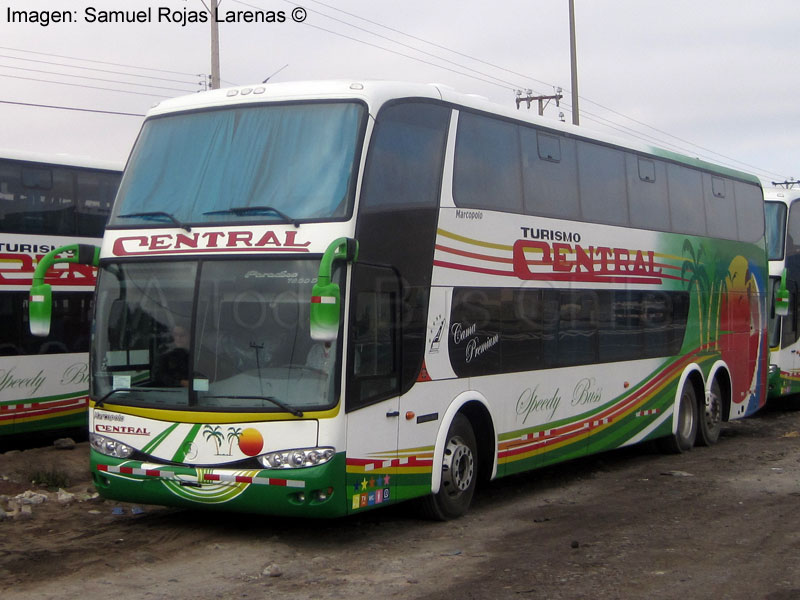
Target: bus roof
<point x="375" y="93"/>
<point x="67" y="160"/>
<point x="778" y="194"/>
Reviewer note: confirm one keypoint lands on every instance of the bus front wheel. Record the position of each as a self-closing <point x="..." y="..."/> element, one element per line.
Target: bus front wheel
<point x="459" y="473"/>
<point x="686" y="432"/>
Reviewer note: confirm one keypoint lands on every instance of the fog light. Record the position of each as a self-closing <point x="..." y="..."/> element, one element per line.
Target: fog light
<point x="323" y="495"/>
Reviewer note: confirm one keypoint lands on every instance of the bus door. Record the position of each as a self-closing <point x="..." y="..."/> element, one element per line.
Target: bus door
<point x="789" y="324"/>
<point x="789" y="357"/>
<point x="373" y="388"/>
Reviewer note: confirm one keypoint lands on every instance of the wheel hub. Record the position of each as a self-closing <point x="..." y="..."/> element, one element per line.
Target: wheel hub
<point x="458" y="467"/>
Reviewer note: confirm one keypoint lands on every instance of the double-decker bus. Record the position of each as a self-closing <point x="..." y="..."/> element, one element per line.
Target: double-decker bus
<point x="783" y="250"/>
<point x="320" y="298"/>
<point x="48" y="201"/>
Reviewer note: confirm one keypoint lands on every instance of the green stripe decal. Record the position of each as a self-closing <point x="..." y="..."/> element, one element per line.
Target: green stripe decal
<point x="158" y="439"/>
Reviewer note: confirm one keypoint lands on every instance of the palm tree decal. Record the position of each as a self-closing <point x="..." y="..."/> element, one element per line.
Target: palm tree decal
<point x="721" y="276"/>
<point x="214" y="432"/>
<point x="234" y="433"/>
<point x="698" y="279"/>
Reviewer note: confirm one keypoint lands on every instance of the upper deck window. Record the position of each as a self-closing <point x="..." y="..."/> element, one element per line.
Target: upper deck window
<point x="775" y="216"/>
<point x="405" y="159"/>
<point x="49" y="199"/>
<point x="250" y="163"/>
<point x="487" y="172"/>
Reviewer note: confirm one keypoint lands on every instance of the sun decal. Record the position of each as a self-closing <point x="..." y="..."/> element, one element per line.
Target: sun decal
<point x="251" y="442"/>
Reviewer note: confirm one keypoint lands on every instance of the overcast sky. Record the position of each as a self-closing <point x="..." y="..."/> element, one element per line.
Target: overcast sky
<point x="712" y="78"/>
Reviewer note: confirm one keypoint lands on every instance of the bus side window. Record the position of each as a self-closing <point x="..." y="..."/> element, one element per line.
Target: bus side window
<point x="685" y="198"/>
<point x="601" y="180"/>
<point x="404" y="164"/>
<point x="749" y="212"/>
<point x="487" y="171"/>
<point x="577" y="328"/>
<point x="550" y="175"/>
<point x="720" y="207"/>
<point x="647" y="193"/>
<point x="95" y="192"/>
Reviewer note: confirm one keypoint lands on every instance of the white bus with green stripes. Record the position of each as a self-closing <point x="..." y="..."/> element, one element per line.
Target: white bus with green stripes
<point x="48" y="201"/>
<point x="319" y="298"/>
<point x="782" y="211"/>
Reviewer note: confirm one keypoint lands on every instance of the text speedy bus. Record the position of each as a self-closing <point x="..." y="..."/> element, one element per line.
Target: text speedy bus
<point x="319" y="298"/>
<point x="783" y="249"/>
<point x="47" y="202"/>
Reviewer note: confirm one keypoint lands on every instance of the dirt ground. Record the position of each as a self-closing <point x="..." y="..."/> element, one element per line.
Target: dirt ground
<point x="720" y="522"/>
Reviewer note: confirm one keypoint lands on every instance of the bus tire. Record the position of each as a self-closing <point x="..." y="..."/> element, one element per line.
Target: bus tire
<point x="710" y="421"/>
<point x="686" y="432"/>
<point x="459" y="473"/>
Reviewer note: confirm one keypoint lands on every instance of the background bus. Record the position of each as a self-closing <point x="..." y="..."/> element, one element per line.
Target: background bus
<point x="47" y="202"/>
<point x="319" y="298"/>
<point x="783" y="249"/>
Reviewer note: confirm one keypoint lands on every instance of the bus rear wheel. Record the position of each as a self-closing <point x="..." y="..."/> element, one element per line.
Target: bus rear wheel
<point x="710" y="416"/>
<point x="459" y="473"/>
<point x="686" y="432"/>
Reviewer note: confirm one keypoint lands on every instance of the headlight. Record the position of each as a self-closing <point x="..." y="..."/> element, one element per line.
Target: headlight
<point x="109" y="447"/>
<point x="774" y="370"/>
<point x="296" y="459"/>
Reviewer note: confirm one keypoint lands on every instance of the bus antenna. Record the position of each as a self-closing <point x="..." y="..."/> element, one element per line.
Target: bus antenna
<point x="275" y="73"/>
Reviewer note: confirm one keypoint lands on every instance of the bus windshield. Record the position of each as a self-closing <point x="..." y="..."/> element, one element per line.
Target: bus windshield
<point x="243" y="164"/>
<point x="211" y="335"/>
<point x="775" y="215"/>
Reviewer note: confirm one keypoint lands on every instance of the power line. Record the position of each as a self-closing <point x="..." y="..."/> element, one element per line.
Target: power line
<point x="88" y="87"/>
<point x="597" y="118"/>
<point x="47" y="62"/>
<point x="90" y="110"/>
<point x="406" y="55"/>
<point x="102" y="62"/>
<point x="434" y="44"/>
<point x="383" y="37"/>
<point x="158" y="87"/>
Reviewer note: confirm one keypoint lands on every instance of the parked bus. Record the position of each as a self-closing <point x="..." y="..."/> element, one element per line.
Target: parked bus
<point x="319" y="298"/>
<point x="783" y="249"/>
<point x="47" y="202"/>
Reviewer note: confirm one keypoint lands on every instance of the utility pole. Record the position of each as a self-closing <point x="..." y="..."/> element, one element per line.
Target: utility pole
<point x="789" y="184"/>
<point x="527" y="99"/>
<point x="573" y="63"/>
<point x="212" y="13"/>
<point x="214" y="47"/>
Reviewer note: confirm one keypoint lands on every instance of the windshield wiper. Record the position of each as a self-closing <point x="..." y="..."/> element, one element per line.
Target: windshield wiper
<point x="156" y="213"/>
<point x="100" y="402"/>
<point x="241" y="211"/>
<point x="290" y="409"/>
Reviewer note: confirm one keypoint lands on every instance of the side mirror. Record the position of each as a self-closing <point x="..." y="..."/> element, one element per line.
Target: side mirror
<point x="41" y="296"/>
<point x="40" y="309"/>
<point x="782" y="297"/>
<point x="326" y="296"/>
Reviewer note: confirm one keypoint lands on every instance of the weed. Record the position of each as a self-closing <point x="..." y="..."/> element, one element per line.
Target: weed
<point x="52" y="479"/>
